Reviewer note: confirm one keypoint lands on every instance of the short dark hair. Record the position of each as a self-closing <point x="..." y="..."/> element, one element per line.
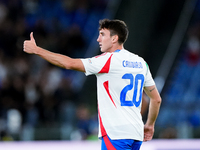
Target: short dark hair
<point x="116" y="27"/>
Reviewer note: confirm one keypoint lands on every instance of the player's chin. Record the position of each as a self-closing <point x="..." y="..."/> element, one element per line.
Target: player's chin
<point x="101" y="49"/>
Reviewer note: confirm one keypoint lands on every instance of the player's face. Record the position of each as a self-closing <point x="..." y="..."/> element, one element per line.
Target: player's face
<point x="105" y="40"/>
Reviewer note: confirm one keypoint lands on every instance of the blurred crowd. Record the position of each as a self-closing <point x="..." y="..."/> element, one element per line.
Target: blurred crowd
<point x="33" y="92"/>
<point x="180" y="113"/>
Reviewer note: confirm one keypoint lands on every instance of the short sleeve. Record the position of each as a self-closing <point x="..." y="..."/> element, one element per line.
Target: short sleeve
<point x="149" y="80"/>
<point x="95" y="64"/>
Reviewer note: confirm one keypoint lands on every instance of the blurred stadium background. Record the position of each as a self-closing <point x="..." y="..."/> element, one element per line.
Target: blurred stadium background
<point x="41" y="102"/>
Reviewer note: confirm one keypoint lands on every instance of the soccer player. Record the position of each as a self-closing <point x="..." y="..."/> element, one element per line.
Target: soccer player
<point x="121" y="78"/>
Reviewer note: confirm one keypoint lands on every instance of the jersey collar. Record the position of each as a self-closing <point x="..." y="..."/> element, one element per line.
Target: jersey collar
<point x="118" y="50"/>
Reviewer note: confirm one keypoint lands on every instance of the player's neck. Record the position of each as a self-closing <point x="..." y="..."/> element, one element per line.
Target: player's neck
<point x="117" y="47"/>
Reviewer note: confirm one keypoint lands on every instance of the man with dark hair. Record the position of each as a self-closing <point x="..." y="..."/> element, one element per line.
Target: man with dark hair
<point x="121" y="78"/>
<point x="116" y="27"/>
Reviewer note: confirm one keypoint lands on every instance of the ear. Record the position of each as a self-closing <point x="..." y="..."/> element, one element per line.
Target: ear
<point x="115" y="38"/>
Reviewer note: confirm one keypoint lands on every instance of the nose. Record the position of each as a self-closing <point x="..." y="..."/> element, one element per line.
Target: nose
<point x="98" y="39"/>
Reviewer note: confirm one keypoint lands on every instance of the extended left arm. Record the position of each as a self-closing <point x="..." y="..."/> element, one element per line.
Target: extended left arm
<point x="54" y="58"/>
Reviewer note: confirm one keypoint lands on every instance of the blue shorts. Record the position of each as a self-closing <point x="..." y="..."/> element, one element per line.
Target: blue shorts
<point x="125" y="144"/>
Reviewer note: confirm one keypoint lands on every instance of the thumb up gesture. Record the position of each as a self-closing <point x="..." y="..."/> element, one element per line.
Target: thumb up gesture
<point x="30" y="45"/>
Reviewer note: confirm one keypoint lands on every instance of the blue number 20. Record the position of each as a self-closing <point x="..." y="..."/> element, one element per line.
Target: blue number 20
<point x="135" y="89"/>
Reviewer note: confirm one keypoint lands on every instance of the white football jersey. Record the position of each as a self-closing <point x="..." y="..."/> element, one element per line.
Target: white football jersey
<point x="121" y="76"/>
